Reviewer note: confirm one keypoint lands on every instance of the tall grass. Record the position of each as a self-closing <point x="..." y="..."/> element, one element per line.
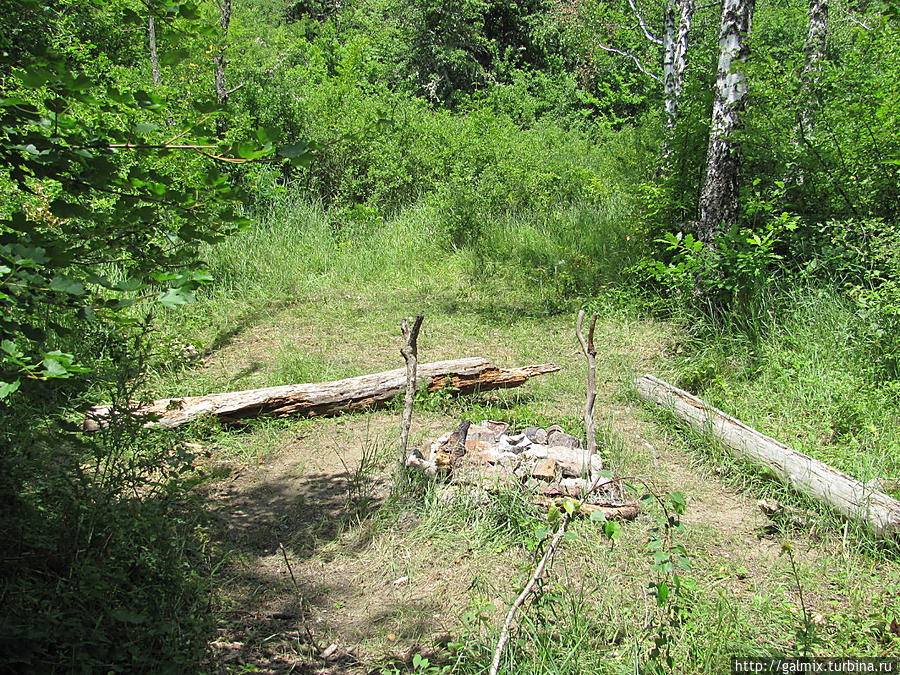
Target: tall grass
<point x="804" y="376"/>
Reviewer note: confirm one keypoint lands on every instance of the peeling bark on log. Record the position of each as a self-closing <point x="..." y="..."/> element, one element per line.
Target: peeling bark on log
<point x="328" y="398"/>
<point x="844" y="493"/>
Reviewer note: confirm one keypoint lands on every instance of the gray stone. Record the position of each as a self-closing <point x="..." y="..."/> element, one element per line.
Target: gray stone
<point x="481" y="433"/>
<point x="556" y="436"/>
<point x="536" y="435"/>
<point x="536" y="452"/>
<point x="572" y="461"/>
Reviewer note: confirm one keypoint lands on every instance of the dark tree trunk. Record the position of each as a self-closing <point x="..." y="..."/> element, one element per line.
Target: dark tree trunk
<point x="719" y="196"/>
<point x="154" y="57"/>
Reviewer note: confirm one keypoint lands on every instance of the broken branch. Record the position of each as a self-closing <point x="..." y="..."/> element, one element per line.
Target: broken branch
<point x="410" y="355"/>
<point x="587" y="346"/>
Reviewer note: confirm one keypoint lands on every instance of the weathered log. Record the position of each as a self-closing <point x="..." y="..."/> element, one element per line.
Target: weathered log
<point x="328" y="398"/>
<point x="844" y="493"/>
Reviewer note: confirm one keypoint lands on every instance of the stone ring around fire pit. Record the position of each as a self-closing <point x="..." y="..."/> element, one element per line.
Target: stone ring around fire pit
<point x="549" y="461"/>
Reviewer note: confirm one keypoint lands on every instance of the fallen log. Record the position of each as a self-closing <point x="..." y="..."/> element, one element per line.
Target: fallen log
<point x="848" y="496"/>
<point x="328" y="398"/>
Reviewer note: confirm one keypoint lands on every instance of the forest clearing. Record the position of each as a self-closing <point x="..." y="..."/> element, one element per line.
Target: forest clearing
<point x="646" y="418"/>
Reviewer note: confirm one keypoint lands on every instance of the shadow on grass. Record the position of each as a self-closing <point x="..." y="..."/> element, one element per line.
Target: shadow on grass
<point x="278" y="608"/>
<point x="301" y="514"/>
<point x="247" y="319"/>
<point x="504" y="314"/>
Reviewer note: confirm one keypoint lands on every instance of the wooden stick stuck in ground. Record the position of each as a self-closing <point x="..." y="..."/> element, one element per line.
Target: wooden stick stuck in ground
<point x="353" y="394"/>
<point x="850" y="497"/>
<point x="587" y="346"/>
<point x="410" y="355"/>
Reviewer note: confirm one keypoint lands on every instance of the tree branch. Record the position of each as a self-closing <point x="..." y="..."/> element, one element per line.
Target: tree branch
<point x="587" y="346"/>
<point x="631" y="56"/>
<point x="650" y="36"/>
<point x="538" y="573"/>
<point x="410" y="354"/>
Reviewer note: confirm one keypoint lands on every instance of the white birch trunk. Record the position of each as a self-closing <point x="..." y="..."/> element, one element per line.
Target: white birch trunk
<point x="814" y="54"/>
<point x="670" y="95"/>
<point x="719" y="196"/>
<point x="675" y="50"/>
<point x="154" y="57"/>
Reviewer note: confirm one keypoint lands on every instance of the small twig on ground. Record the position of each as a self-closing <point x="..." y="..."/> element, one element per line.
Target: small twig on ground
<point x="410" y="354"/>
<point x="290" y="570"/>
<point x="587" y="347"/>
<point x="535" y="577"/>
<point x="538" y="572"/>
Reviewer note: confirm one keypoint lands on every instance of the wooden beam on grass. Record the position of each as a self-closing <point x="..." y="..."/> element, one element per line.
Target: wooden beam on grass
<point x="850" y="497"/>
<point x="352" y="394"/>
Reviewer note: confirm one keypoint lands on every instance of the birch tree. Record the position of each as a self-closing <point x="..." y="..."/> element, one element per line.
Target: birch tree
<point x="674" y="43"/>
<point x="719" y="195"/>
<point x="810" y="101"/>
<point x="154" y="56"/>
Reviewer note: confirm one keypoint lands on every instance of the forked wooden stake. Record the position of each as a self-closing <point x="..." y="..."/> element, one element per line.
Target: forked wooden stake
<point x="590" y="353"/>
<point x="410" y="354"/>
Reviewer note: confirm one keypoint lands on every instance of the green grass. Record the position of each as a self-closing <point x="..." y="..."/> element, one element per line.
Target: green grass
<point x="313" y="294"/>
<point x="806" y="380"/>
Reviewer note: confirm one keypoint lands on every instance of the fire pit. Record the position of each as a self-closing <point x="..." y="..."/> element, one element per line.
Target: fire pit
<point x="550" y="463"/>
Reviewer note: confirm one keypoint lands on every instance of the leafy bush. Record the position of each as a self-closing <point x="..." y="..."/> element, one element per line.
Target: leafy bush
<point x="106" y="563"/>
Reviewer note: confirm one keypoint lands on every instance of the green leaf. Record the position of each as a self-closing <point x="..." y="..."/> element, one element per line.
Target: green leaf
<point x="34" y="78"/>
<point x="662" y="593"/>
<point x="145" y="128"/>
<point x="8" y="388"/>
<point x="293" y="151"/>
<point x="11" y="348"/>
<point x="174" y="56"/>
<point x="175" y="296"/>
<point x="678" y="502"/>
<point x="68" y="285"/>
<point x="612" y="530"/>
<point x="598" y="517"/>
<point x="553" y="514"/>
<point x="148" y="100"/>
<point x="267" y="134"/>
<point x="54" y="368"/>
